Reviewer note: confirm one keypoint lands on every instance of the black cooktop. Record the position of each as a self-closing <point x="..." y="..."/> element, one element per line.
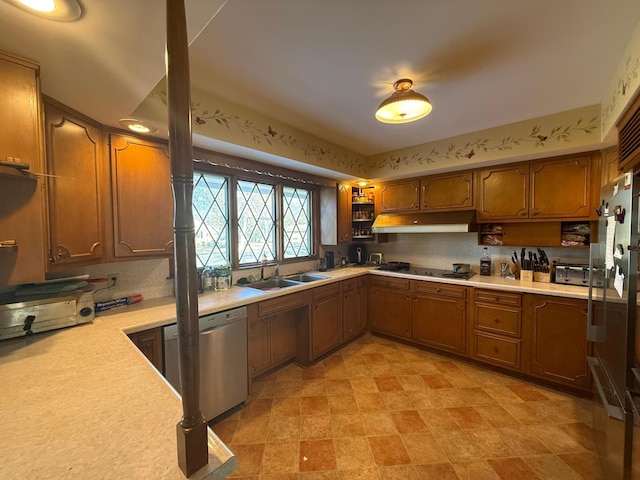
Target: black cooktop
<point x="434" y="272"/>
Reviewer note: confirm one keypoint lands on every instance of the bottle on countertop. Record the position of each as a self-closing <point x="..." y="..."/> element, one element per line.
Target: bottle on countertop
<point x="207" y="278"/>
<point x="485" y="263"/>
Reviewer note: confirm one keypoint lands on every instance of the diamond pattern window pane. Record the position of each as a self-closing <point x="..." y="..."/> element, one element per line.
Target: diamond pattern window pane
<point x="296" y="221"/>
<point x="256" y="222"/>
<point x="211" y="219"/>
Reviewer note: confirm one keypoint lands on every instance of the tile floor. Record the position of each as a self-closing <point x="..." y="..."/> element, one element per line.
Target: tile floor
<point x="381" y="410"/>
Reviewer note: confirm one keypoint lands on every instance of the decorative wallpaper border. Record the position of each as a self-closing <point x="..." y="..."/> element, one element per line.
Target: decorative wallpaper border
<point x="209" y="119"/>
<point x="538" y="136"/>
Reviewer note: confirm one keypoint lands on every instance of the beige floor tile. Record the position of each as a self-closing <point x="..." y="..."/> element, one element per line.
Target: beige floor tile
<point x="397" y="400"/>
<point x="490" y="443"/>
<point x="388" y="384"/>
<point x="556" y="439"/>
<point x="313" y="388"/>
<point x="497" y="416"/>
<point x="369" y="402"/>
<point x="447" y="366"/>
<point x="353" y="453"/>
<point x="314" y="405"/>
<point x="346" y="425"/>
<point x="512" y="468"/>
<point x="364" y="385"/>
<point x="315" y="427"/>
<point x="581" y="433"/>
<point x="438" y="420"/>
<point x="422" y="399"/>
<point x="586" y="464"/>
<point x="326" y="475"/>
<point x="525" y="413"/>
<point x="260" y="407"/>
<point x="372" y="358"/>
<point x="411" y="382"/>
<point x="423" y="448"/>
<point x="399" y="472"/>
<point x="436" y="380"/>
<point x="523" y="441"/>
<point x="342" y="404"/>
<point x="528" y="393"/>
<point x="283" y="429"/>
<point x="363" y="474"/>
<point x="286" y="407"/>
<point x="251" y="430"/>
<point x="449" y="397"/>
<point x="502" y="394"/>
<point x="424" y="368"/>
<point x="378" y="423"/>
<point x="249" y="459"/>
<point x="550" y="467"/>
<point x="341" y="386"/>
<point x="476" y="396"/>
<point x="458" y="447"/>
<point x="408" y="421"/>
<point x="388" y="450"/>
<point x="280" y="458"/>
<point x="313" y="373"/>
<point x="480" y="470"/>
<point x="437" y="471"/>
<point x="467" y="418"/>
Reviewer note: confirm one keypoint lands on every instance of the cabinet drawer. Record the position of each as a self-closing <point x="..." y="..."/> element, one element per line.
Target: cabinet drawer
<point x="455" y="291"/>
<point x="325" y="291"/>
<point x="497" y="296"/>
<point x="282" y="304"/>
<point x="389" y="282"/>
<point x="498" y="319"/>
<point x="497" y="350"/>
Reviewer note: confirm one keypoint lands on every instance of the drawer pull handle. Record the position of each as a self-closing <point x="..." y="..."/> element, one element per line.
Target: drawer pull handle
<point x="496" y="320"/>
<point x="495" y="350"/>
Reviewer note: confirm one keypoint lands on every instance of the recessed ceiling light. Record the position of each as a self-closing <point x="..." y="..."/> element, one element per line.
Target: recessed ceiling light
<point x="60" y="10"/>
<point x="137" y="126"/>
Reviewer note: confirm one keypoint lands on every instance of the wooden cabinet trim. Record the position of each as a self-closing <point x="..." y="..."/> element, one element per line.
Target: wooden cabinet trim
<point x="498" y="319"/>
<point x="400" y="196"/>
<point x="498" y="297"/>
<point x="453" y="191"/>
<point x="332" y="289"/>
<point x="497" y="350"/>
<point x="437" y="288"/>
<point x="390" y="282"/>
<point x="282" y="304"/>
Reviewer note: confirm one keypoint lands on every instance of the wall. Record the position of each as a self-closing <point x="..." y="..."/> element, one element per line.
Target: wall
<point x="440" y="250"/>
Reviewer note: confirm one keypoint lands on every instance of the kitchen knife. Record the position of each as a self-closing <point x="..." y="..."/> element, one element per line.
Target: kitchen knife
<point x="522" y="257"/>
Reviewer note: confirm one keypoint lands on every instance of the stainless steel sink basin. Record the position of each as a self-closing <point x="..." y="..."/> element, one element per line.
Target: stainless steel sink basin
<point x="305" y="277"/>
<point x="273" y="284"/>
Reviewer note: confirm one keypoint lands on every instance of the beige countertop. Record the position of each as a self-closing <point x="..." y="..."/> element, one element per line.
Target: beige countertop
<point x="83" y="402"/>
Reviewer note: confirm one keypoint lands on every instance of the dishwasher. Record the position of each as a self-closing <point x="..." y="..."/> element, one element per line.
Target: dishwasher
<point x="223" y="360"/>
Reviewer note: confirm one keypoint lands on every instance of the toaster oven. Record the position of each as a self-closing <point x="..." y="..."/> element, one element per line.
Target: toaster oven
<point x="573" y="274"/>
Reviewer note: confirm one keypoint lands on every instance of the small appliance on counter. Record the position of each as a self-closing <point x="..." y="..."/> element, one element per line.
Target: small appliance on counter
<point x="331" y="263"/>
<point x="357" y="254"/>
<point x="574" y="274"/>
<point x="30" y="314"/>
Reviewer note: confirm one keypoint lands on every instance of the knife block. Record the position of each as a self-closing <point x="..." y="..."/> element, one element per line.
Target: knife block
<point x="541" y="277"/>
<point x="526" y="276"/>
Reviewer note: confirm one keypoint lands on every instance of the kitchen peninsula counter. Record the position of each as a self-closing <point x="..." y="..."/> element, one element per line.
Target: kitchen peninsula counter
<point x="84" y="402"/>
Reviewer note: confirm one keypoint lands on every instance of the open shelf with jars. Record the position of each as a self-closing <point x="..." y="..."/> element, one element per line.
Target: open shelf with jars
<point x="362" y="213"/>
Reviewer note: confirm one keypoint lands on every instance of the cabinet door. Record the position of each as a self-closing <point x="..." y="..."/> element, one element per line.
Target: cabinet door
<point x="556" y="337"/>
<point x="21" y="198"/>
<point x="20" y="132"/>
<point x="439" y="322"/>
<point x="142" y="198"/>
<point x="259" y="355"/>
<point x="390" y="311"/>
<point x="74" y="156"/>
<point x="344" y="213"/>
<point x="447" y="192"/>
<point x="282" y="336"/>
<point x="363" y="301"/>
<point x="150" y="344"/>
<point x="350" y="309"/>
<point x="400" y="196"/>
<point x="561" y="188"/>
<point x="610" y="163"/>
<point x="326" y="324"/>
<point x="503" y="193"/>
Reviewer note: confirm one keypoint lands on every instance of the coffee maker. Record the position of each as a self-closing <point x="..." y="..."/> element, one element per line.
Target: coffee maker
<point x="357" y="254"/>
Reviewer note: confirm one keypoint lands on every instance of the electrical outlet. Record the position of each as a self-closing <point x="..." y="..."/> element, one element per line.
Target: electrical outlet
<point x="113" y="279"/>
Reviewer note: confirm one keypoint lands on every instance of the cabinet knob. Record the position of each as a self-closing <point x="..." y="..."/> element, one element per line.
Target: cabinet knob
<point x="535" y="212"/>
<point x="495" y="350"/>
<point x="496" y="320"/>
<point x="438" y="289"/>
<point x="523" y="214"/>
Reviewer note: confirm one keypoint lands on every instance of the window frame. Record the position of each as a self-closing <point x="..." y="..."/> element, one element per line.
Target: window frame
<point x="268" y="178"/>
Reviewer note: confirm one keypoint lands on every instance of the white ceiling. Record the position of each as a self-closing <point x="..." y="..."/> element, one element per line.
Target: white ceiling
<point x="324" y="65"/>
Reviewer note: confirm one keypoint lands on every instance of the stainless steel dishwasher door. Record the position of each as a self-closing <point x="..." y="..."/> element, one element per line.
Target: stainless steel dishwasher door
<point x="223" y="360"/>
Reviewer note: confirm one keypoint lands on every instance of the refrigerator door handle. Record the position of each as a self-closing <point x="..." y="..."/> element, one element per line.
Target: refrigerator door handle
<point x="614" y="411"/>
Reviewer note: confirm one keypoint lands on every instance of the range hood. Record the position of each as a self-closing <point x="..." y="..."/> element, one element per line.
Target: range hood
<point x="440" y="222"/>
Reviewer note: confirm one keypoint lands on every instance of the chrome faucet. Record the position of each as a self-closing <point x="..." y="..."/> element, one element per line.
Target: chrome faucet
<point x="276" y="272"/>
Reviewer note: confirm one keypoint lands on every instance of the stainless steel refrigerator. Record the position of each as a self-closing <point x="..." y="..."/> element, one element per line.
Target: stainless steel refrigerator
<point x="612" y="329"/>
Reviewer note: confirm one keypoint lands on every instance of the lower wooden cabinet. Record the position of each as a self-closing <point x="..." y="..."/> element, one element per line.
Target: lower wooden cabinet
<point x="354" y="307"/>
<point x="439" y="316"/>
<point x="497" y="328"/>
<point x="150" y="344"/>
<point x="555" y="332"/>
<point x="325" y="319"/>
<point x="272" y="339"/>
<point x="390" y="306"/>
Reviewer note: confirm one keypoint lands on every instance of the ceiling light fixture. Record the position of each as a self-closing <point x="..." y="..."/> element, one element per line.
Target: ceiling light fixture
<point x="60" y="10"/>
<point x="137" y="126"/>
<point x="362" y="183"/>
<point x="404" y="105"/>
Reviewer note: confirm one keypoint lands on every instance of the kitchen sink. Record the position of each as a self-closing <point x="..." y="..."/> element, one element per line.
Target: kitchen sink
<point x="273" y="284"/>
<point x="305" y="277"/>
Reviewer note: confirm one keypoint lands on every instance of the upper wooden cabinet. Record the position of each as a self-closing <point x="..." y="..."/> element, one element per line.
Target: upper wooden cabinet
<point x="74" y="159"/>
<point x="21" y="196"/>
<point x="629" y="136"/>
<point x="559" y="189"/>
<point x="142" y="198"/>
<point x="452" y="191"/>
<point x="610" y="164"/>
<point x="344" y="213"/>
<point x="400" y="196"/>
<point x="503" y="193"/>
